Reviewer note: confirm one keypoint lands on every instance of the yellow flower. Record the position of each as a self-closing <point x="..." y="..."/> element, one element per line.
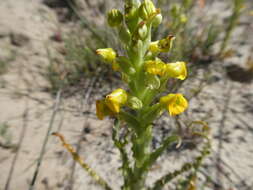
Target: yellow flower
<point x="108" y="54"/>
<point x="177" y="70"/>
<point x="163" y="45"/>
<point x="174" y="103"/>
<point x="116" y="99"/>
<point x="153" y="47"/>
<point x="156" y="67"/>
<point x="102" y="110"/>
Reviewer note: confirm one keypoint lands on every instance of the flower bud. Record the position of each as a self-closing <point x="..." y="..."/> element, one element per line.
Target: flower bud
<point x="153" y="82"/>
<point x="177" y="70"/>
<point x="134" y="103"/>
<point x="174" y="103"/>
<point x="138" y="46"/>
<point x="147" y="9"/>
<point x="116" y="99"/>
<point x="108" y="54"/>
<point x="175" y="10"/>
<point x="157" y="20"/>
<point x="143" y="31"/>
<point x="114" y="18"/>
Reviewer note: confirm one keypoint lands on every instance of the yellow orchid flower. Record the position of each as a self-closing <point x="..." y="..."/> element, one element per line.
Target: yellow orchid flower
<point x="108" y="54"/>
<point x="153" y="47"/>
<point x="102" y="110"/>
<point x="163" y="45"/>
<point x="174" y="103"/>
<point x="156" y="67"/>
<point x="116" y="99"/>
<point x="177" y="70"/>
<point x="166" y="44"/>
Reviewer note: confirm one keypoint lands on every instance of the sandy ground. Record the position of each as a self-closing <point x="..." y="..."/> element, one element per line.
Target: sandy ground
<point x="27" y="110"/>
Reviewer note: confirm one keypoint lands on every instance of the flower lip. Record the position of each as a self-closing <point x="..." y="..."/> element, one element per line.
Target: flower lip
<point x="174" y="103"/>
<point x="108" y="54"/>
<point x="102" y="110"/>
<point x="116" y="99"/>
<point x="177" y="70"/>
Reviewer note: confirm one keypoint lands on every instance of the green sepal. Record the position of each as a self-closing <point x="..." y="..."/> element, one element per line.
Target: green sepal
<point x="131" y="16"/>
<point x="134" y="102"/>
<point x="124" y="34"/>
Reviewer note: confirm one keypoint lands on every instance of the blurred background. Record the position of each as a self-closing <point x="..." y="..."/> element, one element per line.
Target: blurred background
<point x="50" y="78"/>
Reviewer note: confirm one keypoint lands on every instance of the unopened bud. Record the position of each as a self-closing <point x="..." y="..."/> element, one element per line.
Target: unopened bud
<point x="157" y="20"/>
<point x="153" y="82"/>
<point x="147" y="9"/>
<point x="143" y="31"/>
<point x="134" y="103"/>
<point x="114" y="18"/>
<point x="175" y="10"/>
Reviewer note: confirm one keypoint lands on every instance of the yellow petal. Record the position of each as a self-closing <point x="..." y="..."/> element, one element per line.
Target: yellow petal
<point x="174" y="103"/>
<point x="156" y="67"/>
<point x="177" y="70"/>
<point x="108" y="54"/>
<point x="165" y="44"/>
<point x="100" y="109"/>
<point x="116" y="99"/>
<point x="153" y="47"/>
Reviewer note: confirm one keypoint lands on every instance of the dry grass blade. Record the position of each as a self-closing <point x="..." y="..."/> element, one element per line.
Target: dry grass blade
<point x="85" y="166"/>
<point x="43" y="149"/>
